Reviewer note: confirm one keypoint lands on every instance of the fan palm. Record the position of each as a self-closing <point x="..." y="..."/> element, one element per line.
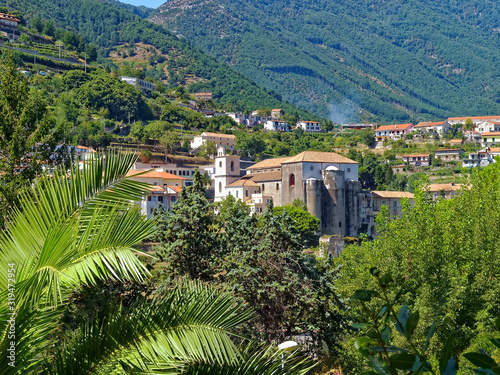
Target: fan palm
<point x="73" y="229"/>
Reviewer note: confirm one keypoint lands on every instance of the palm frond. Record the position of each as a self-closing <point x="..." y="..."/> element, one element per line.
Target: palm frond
<point x="192" y="324"/>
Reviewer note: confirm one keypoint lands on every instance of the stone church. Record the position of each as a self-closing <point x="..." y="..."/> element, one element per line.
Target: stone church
<point x="325" y="181"/>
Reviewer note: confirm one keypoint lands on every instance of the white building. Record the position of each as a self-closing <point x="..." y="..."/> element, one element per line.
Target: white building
<point x="139" y="84"/>
<point x="247" y="120"/>
<point x="392" y="132"/>
<point x="309" y="126"/>
<point x="227" y="141"/>
<point x="227" y="170"/>
<point x="487" y="126"/>
<point x="475" y="119"/>
<point x="164" y="197"/>
<point x="441" y="127"/>
<point x="277" y="126"/>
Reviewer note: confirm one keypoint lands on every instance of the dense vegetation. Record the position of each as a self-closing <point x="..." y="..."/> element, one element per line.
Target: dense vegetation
<point x="355" y="59"/>
<point x="107" y="25"/>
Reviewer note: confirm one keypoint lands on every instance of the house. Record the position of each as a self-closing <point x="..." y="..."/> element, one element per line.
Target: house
<point x="203" y="96"/>
<point x="481" y="158"/>
<point x="391" y="199"/>
<point x="247" y="120"/>
<point x="392" y="131"/>
<point x="228" y="141"/>
<point x="446" y="191"/>
<point x="258" y="203"/>
<point x="139" y="84"/>
<point x="158" y="196"/>
<point x="242" y="188"/>
<point x="309" y="126"/>
<point x="441" y="127"/>
<point x="448" y="154"/>
<point x="156" y="178"/>
<point x="186" y="171"/>
<point x="277" y="126"/>
<point x="475" y="119"/>
<point x="487" y="126"/>
<point x="277" y="113"/>
<point x="456" y="142"/>
<point x="8" y="21"/>
<point x="490" y="138"/>
<point x="417" y="160"/>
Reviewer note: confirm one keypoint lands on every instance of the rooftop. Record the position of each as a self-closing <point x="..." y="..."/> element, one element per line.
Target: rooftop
<point x="490" y="134"/>
<point x="392" y="194"/>
<point x="220" y="135"/>
<point x="243" y="182"/>
<point x="473" y="118"/>
<point x="154" y="174"/>
<point x="444" y="187"/>
<point x="429" y="123"/>
<point x="306" y="156"/>
<point x="394" y="127"/>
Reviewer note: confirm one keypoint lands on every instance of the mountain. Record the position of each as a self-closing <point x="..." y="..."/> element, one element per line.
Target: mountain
<point x="354" y="60"/>
<point x="112" y="26"/>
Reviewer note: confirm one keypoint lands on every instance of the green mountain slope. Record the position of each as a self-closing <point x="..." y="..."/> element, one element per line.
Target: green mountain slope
<point x="108" y="24"/>
<point x="394" y="60"/>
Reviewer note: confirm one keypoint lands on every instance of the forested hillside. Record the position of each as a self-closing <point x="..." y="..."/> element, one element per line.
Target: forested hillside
<point x="175" y="62"/>
<point x="353" y="59"/>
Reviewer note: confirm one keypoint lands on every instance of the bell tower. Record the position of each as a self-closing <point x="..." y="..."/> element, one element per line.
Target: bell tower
<point x="227" y="170"/>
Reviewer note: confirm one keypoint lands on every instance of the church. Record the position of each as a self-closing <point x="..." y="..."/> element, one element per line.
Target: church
<point x="325" y="181"/>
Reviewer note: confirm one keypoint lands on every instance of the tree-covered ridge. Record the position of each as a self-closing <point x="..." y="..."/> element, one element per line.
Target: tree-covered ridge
<point x="106" y="25"/>
<point x="394" y="61"/>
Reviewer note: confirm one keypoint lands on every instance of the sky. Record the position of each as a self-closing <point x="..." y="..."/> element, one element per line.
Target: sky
<point x="148" y="3"/>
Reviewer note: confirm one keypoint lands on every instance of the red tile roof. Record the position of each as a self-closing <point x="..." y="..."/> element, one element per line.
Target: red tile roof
<point x="394" y="127"/>
<point x="154" y="174"/>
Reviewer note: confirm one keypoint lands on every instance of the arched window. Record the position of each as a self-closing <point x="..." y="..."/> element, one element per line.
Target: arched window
<point x="220" y="187"/>
<point x="220" y="164"/>
<point x="232" y="166"/>
<point x="292" y="180"/>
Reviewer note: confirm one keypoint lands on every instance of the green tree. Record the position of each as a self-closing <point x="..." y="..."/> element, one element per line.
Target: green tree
<point x="27" y="136"/>
<point x="306" y="224"/>
<point x="469" y="124"/>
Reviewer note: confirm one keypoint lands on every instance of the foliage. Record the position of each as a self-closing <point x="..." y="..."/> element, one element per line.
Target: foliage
<point x="28" y="137"/>
<point x="443" y="258"/>
<point x="305" y="223"/>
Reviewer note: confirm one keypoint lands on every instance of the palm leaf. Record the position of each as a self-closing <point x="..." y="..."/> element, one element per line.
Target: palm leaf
<point x="192" y="324"/>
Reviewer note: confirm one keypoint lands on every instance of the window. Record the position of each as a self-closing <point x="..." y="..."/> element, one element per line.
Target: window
<point x="237" y="194"/>
<point x="246" y="193"/>
<point x="292" y="180"/>
<point x="277" y="186"/>
<point x="232" y="166"/>
<point x="220" y="164"/>
<point x="263" y="187"/>
<point x="160" y="199"/>
<point x="149" y="198"/>
<point x="340" y="224"/>
<point x="151" y="210"/>
<point x="220" y="187"/>
<point x="311" y="167"/>
<point x="172" y="199"/>
<point x="395" y="206"/>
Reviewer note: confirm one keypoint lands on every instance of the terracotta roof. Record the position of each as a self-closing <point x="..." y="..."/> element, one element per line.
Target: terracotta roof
<point x="220" y="135"/>
<point x="473" y="118"/>
<point x="394" y="127"/>
<point x="319" y="157"/>
<point x="454" y="141"/>
<point x="276" y="110"/>
<point x="416" y="155"/>
<point x="156" y="189"/>
<point x="9" y="17"/>
<point x="448" y="149"/>
<point x="269" y="163"/>
<point x="242" y="182"/>
<point x="177" y="189"/>
<point x="429" y="123"/>
<point x="310" y="122"/>
<point x="154" y="174"/>
<point x="269" y="176"/>
<point x="494" y="149"/>
<point x="82" y="148"/>
<point x="490" y="133"/>
<point x="392" y="194"/>
<point x="444" y="187"/>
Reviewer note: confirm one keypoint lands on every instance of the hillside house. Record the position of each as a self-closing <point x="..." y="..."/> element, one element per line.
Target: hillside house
<point x="391" y="199"/>
<point x="228" y="141"/>
<point x="476" y="120"/>
<point x="139" y="84"/>
<point x="487" y="126"/>
<point x="417" y="160"/>
<point x="277" y="114"/>
<point x="159" y="196"/>
<point x="449" y="154"/>
<point x="8" y="22"/>
<point x="203" y="96"/>
<point x="481" y="158"/>
<point x="309" y="126"/>
<point x="277" y="126"/>
<point x="445" y="191"/>
<point x="456" y="143"/>
<point x="247" y="120"/>
<point x="490" y="139"/>
<point x="392" y="132"/>
<point x="440" y="128"/>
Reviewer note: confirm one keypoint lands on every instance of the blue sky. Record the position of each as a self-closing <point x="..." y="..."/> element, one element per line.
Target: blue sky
<point x="148" y="3"/>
